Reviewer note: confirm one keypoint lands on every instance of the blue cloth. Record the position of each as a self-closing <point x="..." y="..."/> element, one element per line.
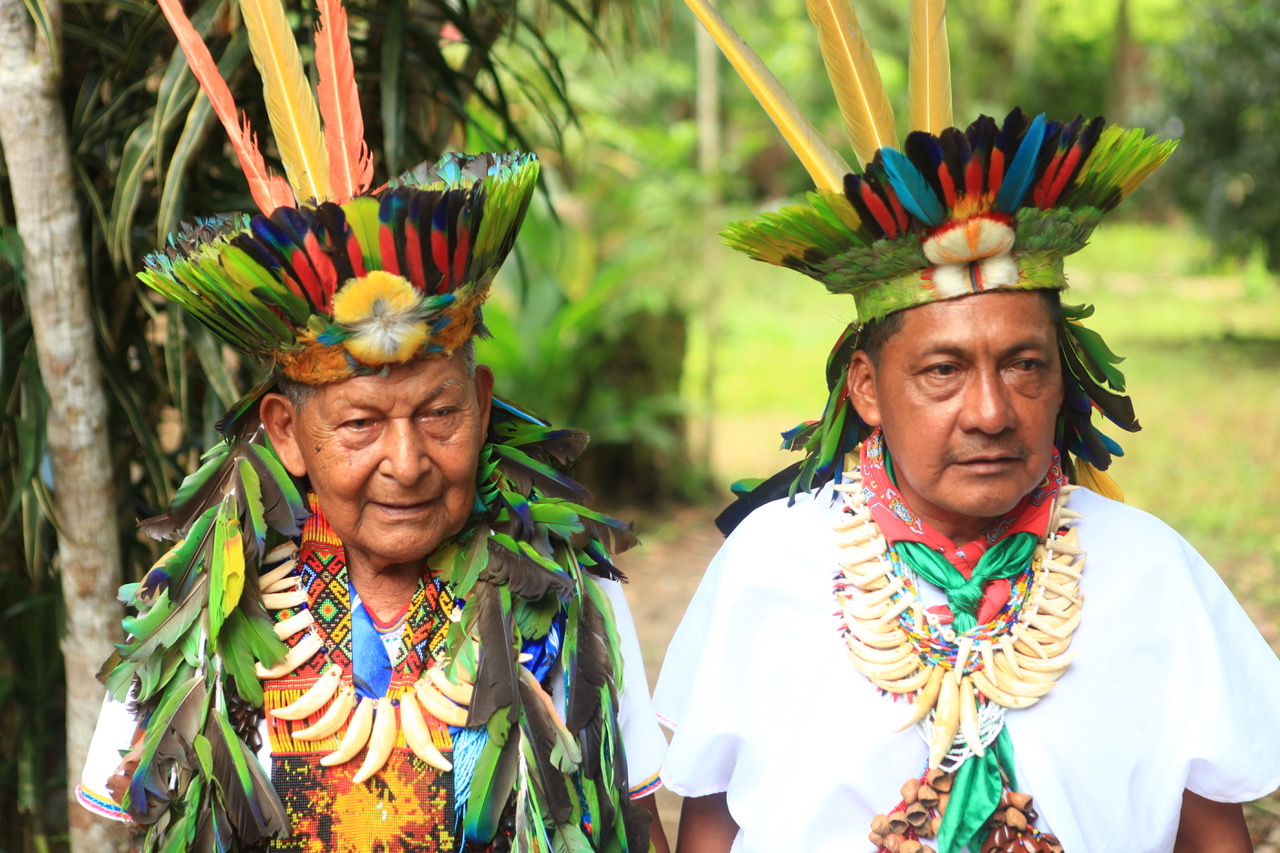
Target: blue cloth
<point x="370" y="664"/>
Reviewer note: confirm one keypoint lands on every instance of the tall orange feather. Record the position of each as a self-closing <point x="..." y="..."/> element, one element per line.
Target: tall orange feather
<point x="269" y="191"/>
<point x="350" y="161"/>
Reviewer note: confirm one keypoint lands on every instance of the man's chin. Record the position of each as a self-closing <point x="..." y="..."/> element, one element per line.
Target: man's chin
<point x="987" y="498"/>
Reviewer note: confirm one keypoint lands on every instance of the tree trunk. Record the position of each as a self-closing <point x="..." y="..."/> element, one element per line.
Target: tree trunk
<point x="1127" y="77"/>
<point x="709" y="159"/>
<point x="34" y="139"/>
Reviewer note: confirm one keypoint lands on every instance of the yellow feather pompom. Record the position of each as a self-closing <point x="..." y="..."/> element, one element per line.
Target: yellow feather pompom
<point x="384" y="314"/>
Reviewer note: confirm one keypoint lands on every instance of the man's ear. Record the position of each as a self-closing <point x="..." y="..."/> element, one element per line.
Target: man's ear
<point x="860" y="383"/>
<point x="280" y="419"/>
<point x="484" y="392"/>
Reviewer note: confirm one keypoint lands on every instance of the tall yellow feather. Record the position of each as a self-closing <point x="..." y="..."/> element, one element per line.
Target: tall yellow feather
<point x="864" y="103"/>
<point x="1098" y="481"/>
<point x="820" y="160"/>
<point x="929" y="83"/>
<point x="291" y="105"/>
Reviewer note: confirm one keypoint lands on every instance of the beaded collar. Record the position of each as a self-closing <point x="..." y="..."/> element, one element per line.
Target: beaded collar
<point x="959" y="685"/>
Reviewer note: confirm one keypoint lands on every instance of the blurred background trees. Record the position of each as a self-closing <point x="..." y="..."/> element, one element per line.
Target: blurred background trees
<point x="1223" y="87"/>
<point x="620" y="314"/>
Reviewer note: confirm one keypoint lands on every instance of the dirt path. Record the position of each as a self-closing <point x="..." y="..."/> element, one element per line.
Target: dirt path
<point x="664" y="573"/>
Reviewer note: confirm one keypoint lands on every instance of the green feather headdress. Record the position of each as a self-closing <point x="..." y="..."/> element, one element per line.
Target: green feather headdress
<point x="950" y="213"/>
<point x="334" y="279"/>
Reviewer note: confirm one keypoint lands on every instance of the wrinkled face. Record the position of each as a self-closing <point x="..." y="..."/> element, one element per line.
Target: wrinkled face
<point x="967" y="392"/>
<point x="392" y="459"/>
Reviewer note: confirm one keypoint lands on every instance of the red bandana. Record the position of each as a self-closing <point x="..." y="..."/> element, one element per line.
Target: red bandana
<point x="899" y="523"/>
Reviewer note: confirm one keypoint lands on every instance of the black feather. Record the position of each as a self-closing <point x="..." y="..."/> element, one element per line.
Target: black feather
<point x="590" y="669"/>
<point x="522" y="575"/>
<point x="335" y="234"/>
<point x="526" y="475"/>
<point x="1117" y="407"/>
<point x="616" y="536"/>
<point x="560" y="446"/>
<point x="542" y="736"/>
<point x="496" y="669"/>
<point x="596" y="562"/>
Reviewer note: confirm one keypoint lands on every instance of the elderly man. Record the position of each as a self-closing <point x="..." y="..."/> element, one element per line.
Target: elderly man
<point x="911" y="653"/>
<point x="388" y="622"/>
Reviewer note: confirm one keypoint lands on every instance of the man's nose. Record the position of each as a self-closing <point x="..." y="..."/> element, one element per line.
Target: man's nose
<point x="987" y="407"/>
<point x="404" y="456"/>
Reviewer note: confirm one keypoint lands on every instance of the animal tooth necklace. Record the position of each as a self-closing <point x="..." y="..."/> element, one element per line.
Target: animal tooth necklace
<point x="961" y="682"/>
<point x="358" y="714"/>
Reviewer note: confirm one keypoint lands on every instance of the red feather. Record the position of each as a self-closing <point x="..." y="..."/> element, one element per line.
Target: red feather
<point x="269" y="191"/>
<point x="1065" y="171"/>
<point x="413" y="253"/>
<point x="995" y="174"/>
<point x="350" y="162"/>
<point x="309" y="278"/>
<point x="356" y="255"/>
<point x="440" y="250"/>
<point x="899" y="213"/>
<point x="876" y="206"/>
<point x="387" y="249"/>
<point x="460" y="253"/>
<point x="973" y="175"/>
<point x="948" y="184"/>
<point x="323" y="267"/>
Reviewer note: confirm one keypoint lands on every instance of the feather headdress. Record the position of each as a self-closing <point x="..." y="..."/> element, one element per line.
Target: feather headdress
<point x="334" y="279"/>
<point x="949" y="213"/>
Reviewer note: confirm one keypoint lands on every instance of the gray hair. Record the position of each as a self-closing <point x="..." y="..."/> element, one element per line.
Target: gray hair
<point x="300" y="393"/>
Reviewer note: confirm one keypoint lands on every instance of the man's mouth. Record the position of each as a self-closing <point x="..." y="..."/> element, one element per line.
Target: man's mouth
<point x="401" y="508"/>
<point x="988" y="464"/>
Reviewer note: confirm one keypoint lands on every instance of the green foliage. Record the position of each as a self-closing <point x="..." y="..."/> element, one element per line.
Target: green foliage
<point x="1224" y="87"/>
<point x="584" y="338"/>
<point x="32" y="776"/>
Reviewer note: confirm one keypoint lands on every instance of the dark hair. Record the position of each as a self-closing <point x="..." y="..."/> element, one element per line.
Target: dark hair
<point x="877" y="333"/>
<point x="300" y="394"/>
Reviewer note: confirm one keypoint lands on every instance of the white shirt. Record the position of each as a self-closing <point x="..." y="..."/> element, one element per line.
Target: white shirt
<point x="1172" y="688"/>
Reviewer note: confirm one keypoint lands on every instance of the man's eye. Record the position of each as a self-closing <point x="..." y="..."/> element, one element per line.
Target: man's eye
<point x="442" y="412"/>
<point x="358" y="423"/>
<point x="941" y="370"/>
<point x="1028" y="364"/>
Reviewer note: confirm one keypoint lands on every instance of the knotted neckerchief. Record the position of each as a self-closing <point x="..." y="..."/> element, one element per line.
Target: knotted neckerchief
<point x="975" y="578"/>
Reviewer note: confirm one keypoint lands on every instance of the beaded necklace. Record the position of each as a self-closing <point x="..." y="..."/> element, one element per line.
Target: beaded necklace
<point x="960" y="685"/>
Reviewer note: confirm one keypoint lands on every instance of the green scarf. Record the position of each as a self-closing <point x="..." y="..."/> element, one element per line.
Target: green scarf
<point x="980" y="780"/>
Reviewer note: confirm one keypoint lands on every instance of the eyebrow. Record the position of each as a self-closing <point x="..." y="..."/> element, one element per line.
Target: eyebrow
<point x="945" y="348"/>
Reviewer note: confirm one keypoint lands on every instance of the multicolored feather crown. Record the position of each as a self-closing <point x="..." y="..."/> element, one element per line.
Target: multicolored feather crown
<point x="991" y="206"/>
<point x="333" y="280"/>
<point x="330" y="291"/>
<point x="950" y="213"/>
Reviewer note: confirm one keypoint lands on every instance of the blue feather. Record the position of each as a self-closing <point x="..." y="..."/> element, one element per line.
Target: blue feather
<point x="913" y="190"/>
<point x="1022" y="171"/>
<point x="1112" y="445"/>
